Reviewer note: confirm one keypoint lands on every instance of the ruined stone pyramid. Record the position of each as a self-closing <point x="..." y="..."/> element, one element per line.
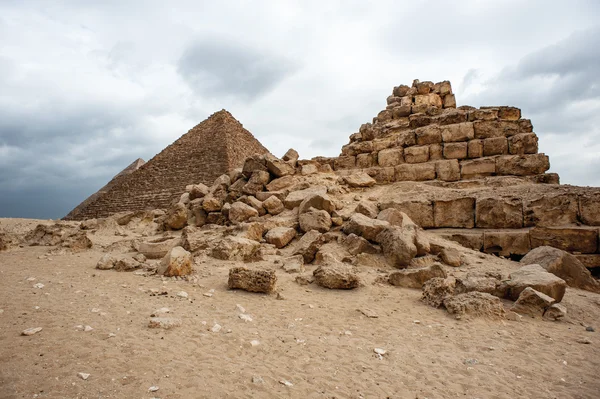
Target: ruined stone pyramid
<point x="208" y="150"/>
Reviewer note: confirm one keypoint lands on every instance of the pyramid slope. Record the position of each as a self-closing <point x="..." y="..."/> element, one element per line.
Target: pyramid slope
<point x="208" y="150"/>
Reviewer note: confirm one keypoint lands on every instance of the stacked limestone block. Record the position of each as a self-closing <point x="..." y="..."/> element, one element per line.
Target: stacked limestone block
<point x="421" y="136"/>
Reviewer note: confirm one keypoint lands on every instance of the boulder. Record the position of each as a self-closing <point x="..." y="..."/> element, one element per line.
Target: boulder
<point x="489" y="285"/>
<point x="318" y="220"/>
<point x="236" y="248"/>
<point x="273" y="205"/>
<point x="252" y="231"/>
<point x="398" y="245"/>
<point x="563" y="265"/>
<point x="360" y="179"/>
<point x="262" y="281"/>
<point x="358" y="245"/>
<point x="291" y="156"/>
<point x="106" y="262"/>
<point x="415" y="278"/>
<point x="536" y="277"/>
<point x="158" y="248"/>
<point x="177" y="217"/>
<point x="251" y="201"/>
<point x="126" y="264"/>
<point x="212" y="203"/>
<point x="532" y="303"/>
<point x="177" y="262"/>
<point x="555" y="312"/>
<point x="198" y="191"/>
<point x="336" y="276"/>
<point x="295" y="198"/>
<point x="281" y="183"/>
<point x="293" y="264"/>
<point x="253" y="164"/>
<point x="317" y="201"/>
<point x="451" y="257"/>
<point x="280" y="236"/>
<point x="308" y="245"/>
<point x="278" y="167"/>
<point x="368" y="209"/>
<point x="475" y="304"/>
<point x="364" y="226"/>
<point x="240" y="212"/>
<point x="436" y="290"/>
<point x="392" y="216"/>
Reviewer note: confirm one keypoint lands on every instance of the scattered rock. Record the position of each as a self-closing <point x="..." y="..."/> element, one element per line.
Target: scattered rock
<point x="126" y="264"/>
<point x="286" y="383"/>
<point x="451" y="257"/>
<point x="415" y="278"/>
<point x="294" y="264"/>
<point x="358" y="245"/>
<point x="216" y="328"/>
<point x="177" y="262"/>
<point x="273" y="205"/>
<point x="308" y="245"/>
<point x="369" y="313"/>
<point x="584" y="341"/>
<point x="539" y="279"/>
<point x="475" y="304"/>
<point x="157" y="249"/>
<point x="280" y="236"/>
<point x="364" y="226"/>
<point x="532" y="303"/>
<point x="153" y="388"/>
<point x="164" y="322"/>
<point x="367" y="208"/>
<point x="437" y="289"/>
<point x="490" y="285"/>
<point x="38" y="285"/>
<point x="314" y="219"/>
<point x="177" y="217"/>
<point x="236" y="248"/>
<point x="257" y="380"/>
<point x="240" y="212"/>
<point x="106" y="262"/>
<point x="31" y="331"/>
<point x="555" y="312"/>
<point x="360" y="179"/>
<point x="398" y="246"/>
<point x="183" y="294"/>
<point x="316" y="201"/>
<point x="305" y="279"/>
<point x="83" y="376"/>
<point x="336" y="276"/>
<point x="252" y="280"/>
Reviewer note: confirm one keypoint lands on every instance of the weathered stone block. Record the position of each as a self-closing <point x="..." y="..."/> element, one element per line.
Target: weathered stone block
<point x="455" y="150"/>
<point x="400" y="111"/>
<point x="359" y="179"/>
<point x="415" y="172"/>
<point x="469" y="238"/>
<point x="482" y="115"/>
<point x="576" y="239"/>
<point x="344" y="162"/>
<point x="499" y="213"/>
<point x="525" y="125"/>
<point x="384" y="116"/>
<point x="489" y="129"/>
<point x="382" y="175"/>
<point x="451" y="117"/>
<point x="523" y="143"/>
<point x="364" y="226"/>
<point x="406" y="139"/>
<point x="390" y="157"/>
<point x="430" y="99"/>
<point x="536" y="277"/>
<point x="475" y="148"/>
<point x="382" y="144"/>
<point x="419" y="120"/>
<point x="522" y="165"/>
<point x="420" y="211"/>
<point x="589" y="209"/>
<point x="416" y="154"/>
<point x="447" y="170"/>
<point x="457" y="132"/>
<point x="476" y="168"/>
<point x="506" y="242"/>
<point x="401" y="91"/>
<point x="449" y="101"/>
<point x="509" y="113"/>
<point x="495" y="146"/>
<point x="436" y="152"/>
<point x="551" y="210"/>
<point x="415" y="278"/>
<point x="252" y="280"/>
<point x="366" y="160"/>
<point x="428" y="135"/>
<point x="458" y="212"/>
<point x="425" y="87"/>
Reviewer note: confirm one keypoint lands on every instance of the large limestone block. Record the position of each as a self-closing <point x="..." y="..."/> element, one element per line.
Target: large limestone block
<point x="458" y="132"/>
<point x="458" y="212"/>
<point x="523" y="143"/>
<point x="177" y="217"/>
<point x="415" y="172"/>
<point x="316" y="201"/>
<point x="476" y="168"/>
<point x="449" y="101"/>
<point x="291" y="156"/>
<point x="499" y="213"/>
<point x="428" y="135"/>
<point x="344" y="162"/>
<point x="532" y="303"/>
<point x="551" y="210"/>
<point x="417" y="120"/>
<point x="539" y="279"/>
<point x="506" y="242"/>
<point x="280" y="236"/>
<point x="262" y="281"/>
<point x="482" y="115"/>
<point x="405" y="139"/>
<point x="336" y="276"/>
<point x="489" y="285"/>
<point x="475" y="148"/>
<point x="390" y="157"/>
<point x="240" y="212"/>
<point x="589" y="208"/>
<point x="398" y="245"/>
<point x="364" y="226"/>
<point x="253" y="164"/>
<point x="468" y="238"/>
<point x="158" y="248"/>
<point x="447" y="170"/>
<point x="455" y="150"/>
<point x="495" y="146"/>
<point x="400" y="111"/>
<point x="364" y="161"/>
<point x="360" y="179"/>
<point x="106" y="262"/>
<point x="509" y="113"/>
<point x="451" y="117"/>
<point x="177" y="262"/>
<point x="415" y="278"/>
<point x="295" y="198"/>
<point x="522" y="165"/>
<point x="382" y="175"/>
<point x="489" y="129"/>
<point x="236" y="248"/>
<point x="314" y="219"/>
<point x="282" y="183"/>
<point x="436" y="152"/>
<point x="416" y="154"/>
<point x="308" y="245"/>
<point x="367" y="208"/>
<point x="563" y="265"/>
<point x="393" y="216"/>
<point x="198" y="191"/>
<point x="273" y="205"/>
<point x="420" y="211"/>
<point x="358" y="245"/>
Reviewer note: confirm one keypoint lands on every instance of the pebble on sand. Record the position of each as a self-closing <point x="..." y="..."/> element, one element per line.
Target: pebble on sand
<point x="31" y="331"/>
<point x="83" y="376"/>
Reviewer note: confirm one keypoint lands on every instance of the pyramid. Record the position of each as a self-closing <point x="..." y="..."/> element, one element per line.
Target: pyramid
<point x="208" y="150"/>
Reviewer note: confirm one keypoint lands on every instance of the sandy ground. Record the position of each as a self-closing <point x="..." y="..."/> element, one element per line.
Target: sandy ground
<point x="317" y="340"/>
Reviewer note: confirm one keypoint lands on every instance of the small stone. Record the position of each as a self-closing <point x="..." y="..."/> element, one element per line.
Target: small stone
<point x="380" y="351"/>
<point x="83" y="376"/>
<point x="112" y="335"/>
<point x="31" y="331"/>
<point x="255" y="342"/>
<point x="513" y="316"/>
<point x="369" y="313"/>
<point x="31" y="279"/>
<point x="153" y="388"/>
<point x="159" y="312"/>
<point x="584" y="341"/>
<point x="245" y="317"/>
<point x="286" y="383"/>
<point x="208" y="294"/>
<point x="216" y="328"/>
<point x="590" y="329"/>
<point x="182" y="294"/>
<point x="38" y="285"/>
<point x="257" y="380"/>
<point x="240" y="308"/>
<point x="280" y="296"/>
<point x="87" y="328"/>
<point x="417" y="321"/>
<point x="471" y="362"/>
<point x="164" y="322"/>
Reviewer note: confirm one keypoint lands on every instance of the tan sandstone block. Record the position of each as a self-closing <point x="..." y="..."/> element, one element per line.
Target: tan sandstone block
<point x="382" y="144"/>
<point x="382" y="175"/>
<point x="475" y="148"/>
<point x="522" y="165"/>
<point x="451" y="117"/>
<point x="469" y="238"/>
<point x="489" y="129"/>
<point x="401" y="111"/>
<point x="506" y="242"/>
<point x="483" y="115"/>
<point x="455" y="150"/>
<point x="577" y="239"/>
<point x="406" y="139"/>
<point x="420" y="211"/>
<point x="589" y="209"/>
<point x="449" y="101"/>
<point x="510" y="113"/>
<point x="390" y="157"/>
<point x="476" y="168"/>
<point x="428" y="135"/>
<point x="431" y="99"/>
<point x="523" y="143"/>
<point x="458" y="213"/>
<point x="384" y="116"/>
<point x="499" y="213"/>
<point x="458" y="132"/>
<point x="448" y="170"/>
<point x="436" y="152"/>
<point x="416" y="154"/>
<point x="551" y="210"/>
<point x="366" y="160"/>
<point x="495" y="146"/>
<point x="415" y="172"/>
<point x="419" y="120"/>
<point x="344" y="162"/>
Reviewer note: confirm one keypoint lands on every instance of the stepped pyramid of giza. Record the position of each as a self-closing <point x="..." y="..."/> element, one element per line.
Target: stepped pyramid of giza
<point x="208" y="150"/>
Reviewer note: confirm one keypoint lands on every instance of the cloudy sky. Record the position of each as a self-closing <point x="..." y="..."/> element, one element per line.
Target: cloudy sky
<point x="87" y="88"/>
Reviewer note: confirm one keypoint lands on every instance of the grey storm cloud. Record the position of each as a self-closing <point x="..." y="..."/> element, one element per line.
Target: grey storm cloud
<point x="215" y="67"/>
